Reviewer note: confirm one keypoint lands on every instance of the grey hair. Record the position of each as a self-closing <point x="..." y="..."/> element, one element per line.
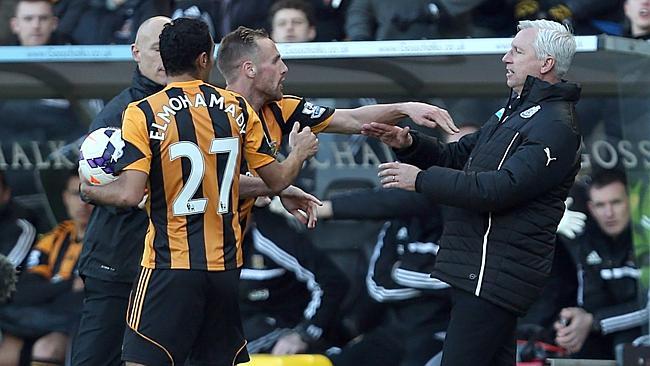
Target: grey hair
<point x="553" y="39"/>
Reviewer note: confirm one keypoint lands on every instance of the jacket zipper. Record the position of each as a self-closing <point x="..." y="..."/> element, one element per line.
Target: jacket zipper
<point x="477" y="291"/>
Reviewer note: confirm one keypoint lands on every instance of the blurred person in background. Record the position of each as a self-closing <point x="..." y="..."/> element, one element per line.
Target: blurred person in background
<point x="108" y="21"/>
<point x="410" y="310"/>
<point x="637" y="14"/>
<point x="281" y="263"/>
<point x="17" y="233"/>
<point x="586" y="17"/>
<point x="292" y="21"/>
<point x="370" y="20"/>
<point x="608" y="310"/>
<point x="223" y="16"/>
<point x="115" y="237"/>
<point x="34" y="23"/>
<point x="45" y="309"/>
<point x="32" y="128"/>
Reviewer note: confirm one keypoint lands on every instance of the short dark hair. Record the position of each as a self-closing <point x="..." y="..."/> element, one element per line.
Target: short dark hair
<point x="181" y="42"/>
<point x="605" y="177"/>
<point x="236" y="45"/>
<point x="300" y="5"/>
<point x="32" y="1"/>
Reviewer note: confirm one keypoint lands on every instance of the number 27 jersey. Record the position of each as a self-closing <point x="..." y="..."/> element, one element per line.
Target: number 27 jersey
<point x="189" y="138"/>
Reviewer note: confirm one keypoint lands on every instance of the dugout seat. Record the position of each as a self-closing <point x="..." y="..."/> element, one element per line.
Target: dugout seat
<point x="290" y="360"/>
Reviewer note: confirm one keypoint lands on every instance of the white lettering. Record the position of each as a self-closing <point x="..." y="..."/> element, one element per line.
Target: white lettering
<point x="175" y="104"/>
<point x="231" y="109"/>
<point x="185" y="100"/>
<point x="199" y="101"/>
<point x="20" y="159"/>
<point x="166" y="112"/>
<point x="40" y="163"/>
<point x="214" y="101"/>
<point x="156" y="135"/>
<point x="627" y="156"/>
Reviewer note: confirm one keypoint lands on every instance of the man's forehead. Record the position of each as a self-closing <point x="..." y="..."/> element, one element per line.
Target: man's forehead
<point x="32" y="8"/>
<point x="524" y="38"/>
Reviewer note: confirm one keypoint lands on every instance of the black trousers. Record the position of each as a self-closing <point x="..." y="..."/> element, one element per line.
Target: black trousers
<point x="103" y="320"/>
<point x="479" y="333"/>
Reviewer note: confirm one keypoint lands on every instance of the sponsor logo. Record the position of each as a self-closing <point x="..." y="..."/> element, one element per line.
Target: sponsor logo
<point x="549" y="159"/>
<point x="593" y="258"/>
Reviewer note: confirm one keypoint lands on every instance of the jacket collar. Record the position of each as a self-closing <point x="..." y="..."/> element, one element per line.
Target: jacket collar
<point x="536" y="90"/>
<point x="143" y="84"/>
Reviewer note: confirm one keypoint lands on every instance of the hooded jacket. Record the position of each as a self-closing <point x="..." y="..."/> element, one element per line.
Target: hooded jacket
<point x="506" y="184"/>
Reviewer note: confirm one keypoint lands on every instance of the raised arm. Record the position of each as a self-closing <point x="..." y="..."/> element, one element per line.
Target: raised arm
<point x="351" y="120"/>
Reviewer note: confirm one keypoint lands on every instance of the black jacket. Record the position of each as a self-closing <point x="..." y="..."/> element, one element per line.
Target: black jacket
<point x="609" y="279"/>
<point x="507" y="184"/>
<point x="114" y="238"/>
<point x="286" y="283"/>
<point x="403" y="257"/>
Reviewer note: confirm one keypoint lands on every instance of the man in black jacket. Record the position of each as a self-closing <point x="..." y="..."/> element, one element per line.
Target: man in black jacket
<point x="115" y="237"/>
<point x="290" y="291"/>
<point x="608" y="311"/>
<point x="506" y="184"/>
<point x="415" y="307"/>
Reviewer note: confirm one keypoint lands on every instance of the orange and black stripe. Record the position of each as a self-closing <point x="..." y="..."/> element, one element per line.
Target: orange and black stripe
<point x="185" y="233"/>
<point x="277" y="121"/>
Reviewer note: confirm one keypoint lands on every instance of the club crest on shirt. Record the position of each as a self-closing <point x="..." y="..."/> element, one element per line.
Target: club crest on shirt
<point x="530" y="111"/>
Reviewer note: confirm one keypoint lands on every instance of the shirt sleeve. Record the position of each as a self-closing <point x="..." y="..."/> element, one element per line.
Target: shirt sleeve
<point x="297" y="109"/>
<point x="39" y="258"/>
<point x="137" y="151"/>
<point x="257" y="150"/>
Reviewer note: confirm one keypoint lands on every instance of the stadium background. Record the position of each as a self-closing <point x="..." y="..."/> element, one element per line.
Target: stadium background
<point x="463" y="75"/>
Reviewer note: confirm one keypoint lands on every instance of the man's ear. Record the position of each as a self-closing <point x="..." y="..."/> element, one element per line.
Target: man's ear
<point x="13" y="23"/>
<point x="249" y="69"/>
<point x="312" y="33"/>
<point x="203" y="61"/>
<point x="135" y="53"/>
<point x="548" y="65"/>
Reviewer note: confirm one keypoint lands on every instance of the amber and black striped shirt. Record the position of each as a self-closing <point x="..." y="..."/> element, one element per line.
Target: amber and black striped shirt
<point x="278" y="119"/>
<point x="189" y="138"/>
<point x="56" y="254"/>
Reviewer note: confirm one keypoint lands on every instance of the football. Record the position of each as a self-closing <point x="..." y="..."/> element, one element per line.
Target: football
<point x="99" y="152"/>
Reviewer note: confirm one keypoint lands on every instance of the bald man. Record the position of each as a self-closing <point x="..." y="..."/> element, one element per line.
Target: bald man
<point x="114" y="237"/>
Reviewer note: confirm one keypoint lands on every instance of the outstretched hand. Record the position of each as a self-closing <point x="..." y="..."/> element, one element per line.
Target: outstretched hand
<point x="398" y="175"/>
<point x="430" y="116"/>
<point x="302" y="205"/>
<point x="393" y="136"/>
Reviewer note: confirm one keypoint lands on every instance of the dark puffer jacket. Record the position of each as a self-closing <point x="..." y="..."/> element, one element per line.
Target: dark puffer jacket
<point x="506" y="183"/>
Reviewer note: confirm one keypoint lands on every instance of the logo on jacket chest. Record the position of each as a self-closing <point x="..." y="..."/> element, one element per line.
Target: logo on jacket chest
<point x="530" y="111"/>
<point x="593" y="258"/>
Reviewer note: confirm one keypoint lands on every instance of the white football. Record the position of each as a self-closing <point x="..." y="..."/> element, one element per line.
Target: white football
<point x="99" y="152"/>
